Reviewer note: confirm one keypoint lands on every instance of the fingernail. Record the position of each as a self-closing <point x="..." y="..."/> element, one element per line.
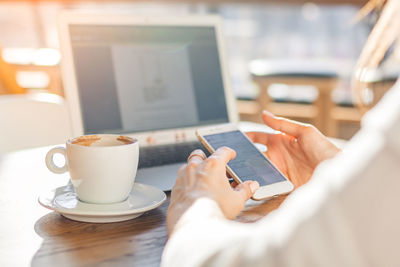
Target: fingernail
<point x="254" y="186"/>
<point x="265" y="112"/>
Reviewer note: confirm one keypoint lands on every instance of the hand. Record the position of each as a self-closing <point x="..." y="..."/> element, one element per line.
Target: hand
<point x="296" y="150"/>
<point x="206" y="177"/>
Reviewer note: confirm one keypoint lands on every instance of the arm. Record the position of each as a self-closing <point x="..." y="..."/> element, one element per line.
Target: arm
<point x="347" y="215"/>
<point x="334" y="220"/>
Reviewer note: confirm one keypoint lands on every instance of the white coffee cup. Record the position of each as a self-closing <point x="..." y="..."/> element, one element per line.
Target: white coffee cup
<point x="102" y="167"/>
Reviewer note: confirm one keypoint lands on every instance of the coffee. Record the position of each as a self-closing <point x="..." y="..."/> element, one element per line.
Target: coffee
<point x="96" y="140"/>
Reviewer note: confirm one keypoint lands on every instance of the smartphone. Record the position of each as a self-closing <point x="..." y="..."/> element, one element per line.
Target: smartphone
<point x="249" y="164"/>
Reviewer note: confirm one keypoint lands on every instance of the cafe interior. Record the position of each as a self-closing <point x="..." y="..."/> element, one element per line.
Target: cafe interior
<point x="293" y="58"/>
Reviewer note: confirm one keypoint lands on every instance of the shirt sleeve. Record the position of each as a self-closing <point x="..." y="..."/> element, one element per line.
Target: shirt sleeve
<point x="347" y="215"/>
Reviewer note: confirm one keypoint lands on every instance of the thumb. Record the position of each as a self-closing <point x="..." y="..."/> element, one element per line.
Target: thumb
<point x="247" y="189"/>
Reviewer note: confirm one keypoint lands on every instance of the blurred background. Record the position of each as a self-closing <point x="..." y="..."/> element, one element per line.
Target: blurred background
<point x="293" y="58"/>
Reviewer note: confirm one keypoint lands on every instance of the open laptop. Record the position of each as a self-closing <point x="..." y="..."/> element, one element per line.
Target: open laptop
<point x="154" y="78"/>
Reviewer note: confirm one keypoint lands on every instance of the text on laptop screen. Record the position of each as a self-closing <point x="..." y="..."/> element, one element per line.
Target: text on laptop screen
<point x="145" y="78"/>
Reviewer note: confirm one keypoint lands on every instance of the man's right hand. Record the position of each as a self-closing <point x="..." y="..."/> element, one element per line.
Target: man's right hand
<point x="297" y="150"/>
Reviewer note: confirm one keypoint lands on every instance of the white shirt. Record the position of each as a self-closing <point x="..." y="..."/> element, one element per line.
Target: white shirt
<point x="348" y="214"/>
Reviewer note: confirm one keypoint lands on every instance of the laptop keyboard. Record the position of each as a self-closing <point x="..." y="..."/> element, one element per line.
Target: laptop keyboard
<point x="167" y="154"/>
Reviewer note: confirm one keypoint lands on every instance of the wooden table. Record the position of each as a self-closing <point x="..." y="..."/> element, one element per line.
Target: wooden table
<point x="33" y="235"/>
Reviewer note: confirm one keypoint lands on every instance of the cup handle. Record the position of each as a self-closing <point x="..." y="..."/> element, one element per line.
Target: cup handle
<point x="50" y="163"/>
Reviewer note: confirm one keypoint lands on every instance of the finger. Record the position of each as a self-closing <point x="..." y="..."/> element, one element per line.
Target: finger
<point x="181" y="175"/>
<point x="197" y="156"/>
<point x="223" y="155"/>
<point x="290" y="127"/>
<point x="258" y="137"/>
<point x="246" y="190"/>
<point x="182" y="168"/>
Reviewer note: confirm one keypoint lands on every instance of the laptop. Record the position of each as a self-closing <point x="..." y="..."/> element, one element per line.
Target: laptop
<point x="157" y="79"/>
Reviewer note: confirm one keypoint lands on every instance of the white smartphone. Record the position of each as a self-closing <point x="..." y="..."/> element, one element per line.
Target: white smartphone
<point x="249" y="164"/>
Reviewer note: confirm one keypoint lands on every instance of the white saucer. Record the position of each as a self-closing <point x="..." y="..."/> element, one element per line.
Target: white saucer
<point x="64" y="201"/>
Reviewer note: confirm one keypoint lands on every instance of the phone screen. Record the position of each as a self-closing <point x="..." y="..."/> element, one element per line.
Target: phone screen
<point x="249" y="163"/>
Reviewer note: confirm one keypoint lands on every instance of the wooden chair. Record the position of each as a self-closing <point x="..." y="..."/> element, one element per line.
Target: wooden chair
<point x="317" y="112"/>
<point x="351" y="114"/>
<point x="293" y="73"/>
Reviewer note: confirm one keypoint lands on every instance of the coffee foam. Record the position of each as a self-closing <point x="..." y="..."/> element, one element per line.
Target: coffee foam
<point x="96" y="140"/>
<point x="126" y="140"/>
<point x="85" y="140"/>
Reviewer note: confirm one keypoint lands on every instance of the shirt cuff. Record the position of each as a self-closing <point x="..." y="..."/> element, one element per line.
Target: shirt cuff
<point x="202" y="209"/>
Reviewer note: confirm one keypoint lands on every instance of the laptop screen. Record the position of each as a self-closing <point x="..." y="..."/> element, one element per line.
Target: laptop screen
<point x="146" y="78"/>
